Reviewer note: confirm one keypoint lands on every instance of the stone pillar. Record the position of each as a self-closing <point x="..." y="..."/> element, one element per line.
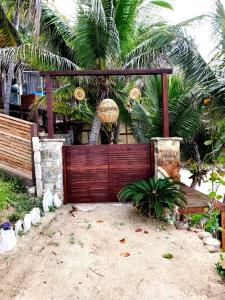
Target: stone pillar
<point x="167" y="157"/>
<point x="37" y="166"/>
<point x="48" y="165"/>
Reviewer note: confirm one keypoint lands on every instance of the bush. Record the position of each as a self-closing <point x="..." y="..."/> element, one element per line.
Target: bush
<point x="14" y="217"/>
<point x="17" y="185"/>
<point x="220" y="266"/>
<point x="5" y="193"/>
<point x="152" y="196"/>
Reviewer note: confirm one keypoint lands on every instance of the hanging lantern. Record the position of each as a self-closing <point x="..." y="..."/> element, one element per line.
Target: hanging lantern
<point x="79" y="94"/>
<point x="135" y="93"/>
<point x="108" y="111"/>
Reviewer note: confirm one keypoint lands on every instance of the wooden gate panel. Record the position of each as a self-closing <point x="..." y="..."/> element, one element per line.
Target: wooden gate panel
<point x="86" y="173"/>
<point x="97" y="173"/>
<point x="128" y="163"/>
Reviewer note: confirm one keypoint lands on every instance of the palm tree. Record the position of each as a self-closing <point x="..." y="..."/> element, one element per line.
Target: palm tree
<point x="107" y="35"/>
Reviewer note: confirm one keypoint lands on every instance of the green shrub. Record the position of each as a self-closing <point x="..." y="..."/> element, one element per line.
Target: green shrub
<point x="152" y="196"/>
<point x="220" y="266"/>
<point x="14" y="217"/>
<point x="23" y="203"/>
<point x="5" y="193"/>
<point x="16" y="183"/>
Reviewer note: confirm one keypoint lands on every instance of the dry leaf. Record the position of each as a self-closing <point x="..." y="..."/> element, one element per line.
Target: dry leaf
<point x="146" y="232"/>
<point x="138" y="230"/>
<point x="99" y="221"/>
<point x="125" y="254"/>
<point x="122" y="241"/>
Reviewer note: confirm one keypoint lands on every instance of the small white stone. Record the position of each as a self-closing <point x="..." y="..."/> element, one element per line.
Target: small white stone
<point x="7" y="240"/>
<point x="35" y="216"/>
<point x="18" y="226"/>
<point x="211" y="242"/>
<point x="182" y="225"/>
<point x="204" y="234"/>
<point x="47" y="200"/>
<point x="56" y="201"/>
<point x="27" y="222"/>
<point x="195" y="229"/>
<point x="212" y="249"/>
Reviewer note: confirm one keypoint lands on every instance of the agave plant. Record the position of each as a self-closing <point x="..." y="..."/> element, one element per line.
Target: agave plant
<point x="152" y="196"/>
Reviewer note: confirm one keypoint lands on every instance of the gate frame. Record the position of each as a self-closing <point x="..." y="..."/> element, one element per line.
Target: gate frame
<point x="119" y="72"/>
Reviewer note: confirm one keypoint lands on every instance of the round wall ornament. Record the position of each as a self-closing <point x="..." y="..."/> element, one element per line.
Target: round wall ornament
<point x="108" y="111"/>
<point x="79" y="94"/>
<point x="135" y="93"/>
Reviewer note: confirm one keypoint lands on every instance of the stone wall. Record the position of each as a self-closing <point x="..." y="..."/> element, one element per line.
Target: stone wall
<point x="167" y="157"/>
<point x="48" y="165"/>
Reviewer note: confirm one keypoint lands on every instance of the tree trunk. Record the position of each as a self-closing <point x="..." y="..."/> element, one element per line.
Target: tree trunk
<point x="8" y="87"/>
<point x="193" y="184"/>
<point x="116" y="133"/>
<point x="16" y="21"/>
<point x="95" y="129"/>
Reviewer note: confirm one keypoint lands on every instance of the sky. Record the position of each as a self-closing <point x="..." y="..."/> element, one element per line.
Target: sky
<point x="183" y="10"/>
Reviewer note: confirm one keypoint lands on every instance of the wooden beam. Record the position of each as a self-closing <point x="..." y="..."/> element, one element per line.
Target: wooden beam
<point x="165" y="105"/>
<point x="223" y="231"/>
<point x="122" y="72"/>
<point x="48" y="83"/>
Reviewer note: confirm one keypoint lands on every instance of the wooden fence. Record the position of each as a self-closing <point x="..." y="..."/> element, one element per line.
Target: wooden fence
<point x="16" y="155"/>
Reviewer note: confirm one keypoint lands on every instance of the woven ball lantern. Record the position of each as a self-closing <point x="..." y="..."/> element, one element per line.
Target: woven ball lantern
<point x="79" y="94"/>
<point x="108" y="111"/>
<point x="135" y="93"/>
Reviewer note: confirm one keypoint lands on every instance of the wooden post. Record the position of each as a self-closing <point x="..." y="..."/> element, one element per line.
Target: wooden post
<point x="223" y="227"/>
<point x="49" y="106"/>
<point x="165" y="112"/>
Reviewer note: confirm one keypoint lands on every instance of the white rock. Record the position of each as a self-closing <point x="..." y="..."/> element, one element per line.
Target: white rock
<point x="35" y="216"/>
<point x="47" y="200"/>
<point x="182" y="225"/>
<point x="56" y="201"/>
<point x="194" y="229"/>
<point x="212" y="249"/>
<point x="27" y="222"/>
<point x="204" y="234"/>
<point x="7" y="240"/>
<point x="18" y="226"/>
<point x="209" y="241"/>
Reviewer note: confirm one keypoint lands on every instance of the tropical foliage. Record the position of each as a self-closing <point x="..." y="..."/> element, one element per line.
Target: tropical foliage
<point x="152" y="196"/>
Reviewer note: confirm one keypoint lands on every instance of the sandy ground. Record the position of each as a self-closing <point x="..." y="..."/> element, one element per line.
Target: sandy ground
<point x="79" y="257"/>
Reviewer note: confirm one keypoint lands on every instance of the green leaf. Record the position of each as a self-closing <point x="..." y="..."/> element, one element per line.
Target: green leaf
<point x="221" y="159"/>
<point x="162" y="3"/>
<point x="212" y="194"/>
<point x="207" y="143"/>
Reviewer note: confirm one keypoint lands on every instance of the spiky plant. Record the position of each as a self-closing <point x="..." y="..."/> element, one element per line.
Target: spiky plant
<point x="153" y="196"/>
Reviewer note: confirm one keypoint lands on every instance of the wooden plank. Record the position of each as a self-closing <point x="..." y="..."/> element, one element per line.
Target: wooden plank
<point x="15" y="120"/>
<point x="65" y="187"/>
<point x="115" y="72"/>
<point x="223" y="232"/>
<point x="165" y="111"/>
<point x="49" y="107"/>
<point x="16" y="137"/>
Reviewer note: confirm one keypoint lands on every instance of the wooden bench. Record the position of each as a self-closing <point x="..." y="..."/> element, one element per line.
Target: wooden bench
<point x="198" y="202"/>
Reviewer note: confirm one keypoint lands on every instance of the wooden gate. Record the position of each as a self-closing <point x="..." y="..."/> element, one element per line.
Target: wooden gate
<point x="97" y="173"/>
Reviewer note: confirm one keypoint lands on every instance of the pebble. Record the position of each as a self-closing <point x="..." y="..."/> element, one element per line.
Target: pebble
<point x="212" y="249"/>
<point x="182" y="225"/>
<point x="195" y="229"/>
<point x="209" y="241"/>
<point x="204" y="234"/>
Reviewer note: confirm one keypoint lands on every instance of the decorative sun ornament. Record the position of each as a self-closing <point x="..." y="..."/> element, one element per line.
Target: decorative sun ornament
<point x="108" y="111"/>
<point x="207" y="101"/>
<point x="135" y="93"/>
<point x="79" y="94"/>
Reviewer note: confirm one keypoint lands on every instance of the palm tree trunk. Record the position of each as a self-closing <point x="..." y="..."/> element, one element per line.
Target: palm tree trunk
<point x="8" y="87"/>
<point x="16" y="21"/>
<point x="193" y="184"/>
<point x="116" y="133"/>
<point x="95" y="129"/>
